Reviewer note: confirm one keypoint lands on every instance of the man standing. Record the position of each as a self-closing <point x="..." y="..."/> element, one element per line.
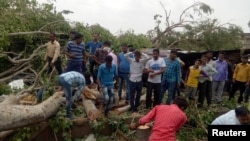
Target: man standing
<point x="75" y="52"/>
<point x="53" y="54"/>
<point x="168" y="119"/>
<point x="135" y="78"/>
<point x="205" y="82"/>
<point x="155" y="67"/>
<point x="92" y="46"/>
<point x="219" y="78"/>
<point x="240" y="78"/>
<point x="105" y="79"/>
<point x="171" y="76"/>
<point x="69" y="80"/>
<point x="123" y="72"/>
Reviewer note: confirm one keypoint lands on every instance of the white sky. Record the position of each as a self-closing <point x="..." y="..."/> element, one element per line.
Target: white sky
<point x="124" y="15"/>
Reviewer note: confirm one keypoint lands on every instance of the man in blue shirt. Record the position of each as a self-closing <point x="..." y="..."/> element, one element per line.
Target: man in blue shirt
<point x="171" y="77"/>
<point x="92" y="46"/>
<point x="69" y="80"/>
<point x="123" y="72"/>
<point x="105" y="81"/>
<point x="75" y="52"/>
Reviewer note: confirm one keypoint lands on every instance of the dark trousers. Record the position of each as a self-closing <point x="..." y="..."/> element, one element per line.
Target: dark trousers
<point x="92" y="71"/>
<point x="205" y="92"/>
<point x="228" y="85"/>
<point x="135" y="99"/>
<point x="238" y="85"/>
<point x="57" y="65"/>
<point x="74" y="66"/>
<point x="156" y="87"/>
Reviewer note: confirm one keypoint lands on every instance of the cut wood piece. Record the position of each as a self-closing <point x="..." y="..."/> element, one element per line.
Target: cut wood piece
<point x="90" y="108"/>
<point x="91" y="137"/>
<point x="143" y="132"/>
<point x="16" y="116"/>
<point x="90" y="93"/>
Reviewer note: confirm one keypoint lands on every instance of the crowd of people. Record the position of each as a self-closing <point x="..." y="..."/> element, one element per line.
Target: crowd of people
<point x="206" y="78"/>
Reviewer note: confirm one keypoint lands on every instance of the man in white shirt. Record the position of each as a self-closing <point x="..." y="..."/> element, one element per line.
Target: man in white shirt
<point x="155" y="67"/>
<point x="238" y="116"/>
<point x="135" y="77"/>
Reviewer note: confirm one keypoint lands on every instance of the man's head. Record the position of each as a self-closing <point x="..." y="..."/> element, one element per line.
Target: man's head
<point x="156" y="53"/>
<point x="95" y="37"/>
<point x="173" y="54"/>
<point x="243" y="115"/>
<point x="106" y="44"/>
<point x="221" y="56"/>
<point x="78" y="38"/>
<point x="108" y="60"/>
<point x="124" y="47"/>
<point x="209" y="54"/>
<point x="204" y="59"/>
<point x="72" y="35"/>
<point x="244" y="59"/>
<point x="137" y="55"/>
<point x="131" y="48"/>
<point x="52" y="36"/>
<point x="181" y="102"/>
<point x="197" y="63"/>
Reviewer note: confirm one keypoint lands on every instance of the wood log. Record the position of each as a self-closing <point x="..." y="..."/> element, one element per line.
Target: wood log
<point x="90" y="108"/>
<point x="16" y="116"/>
<point x="127" y="107"/>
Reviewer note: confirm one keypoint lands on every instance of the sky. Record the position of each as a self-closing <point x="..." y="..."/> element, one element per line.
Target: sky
<point x="137" y="15"/>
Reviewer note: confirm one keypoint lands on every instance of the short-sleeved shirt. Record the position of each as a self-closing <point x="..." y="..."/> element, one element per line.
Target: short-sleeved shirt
<point x="76" y="50"/>
<point x="100" y="55"/>
<point x="123" y="64"/>
<point x="106" y="75"/>
<point x="92" y="46"/>
<point x="156" y="66"/>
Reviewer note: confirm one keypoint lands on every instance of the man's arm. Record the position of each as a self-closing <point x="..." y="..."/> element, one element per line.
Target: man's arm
<point x="127" y="56"/>
<point x="147" y="118"/>
<point x="99" y="74"/>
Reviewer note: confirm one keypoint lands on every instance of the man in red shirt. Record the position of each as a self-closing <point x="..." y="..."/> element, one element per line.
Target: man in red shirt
<point x="168" y="120"/>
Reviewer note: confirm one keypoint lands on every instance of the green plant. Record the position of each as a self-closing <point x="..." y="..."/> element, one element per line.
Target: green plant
<point x="60" y="123"/>
<point x="4" y="89"/>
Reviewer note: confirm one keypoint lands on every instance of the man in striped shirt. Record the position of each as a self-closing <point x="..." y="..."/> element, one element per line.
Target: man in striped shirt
<point x="168" y="119"/>
<point x="69" y="80"/>
<point x="75" y="52"/>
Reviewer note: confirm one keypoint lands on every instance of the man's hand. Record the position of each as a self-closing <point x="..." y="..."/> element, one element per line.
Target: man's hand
<point x="52" y="64"/>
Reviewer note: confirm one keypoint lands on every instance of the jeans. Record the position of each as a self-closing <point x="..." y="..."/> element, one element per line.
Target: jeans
<point x="156" y="87"/>
<point x="135" y="100"/>
<point x="68" y="94"/>
<point x="170" y="86"/>
<point x="124" y="78"/>
<point x="108" y="97"/>
<point x="57" y="65"/>
<point x="93" y="72"/>
<point x="217" y="90"/>
<point x="74" y="66"/>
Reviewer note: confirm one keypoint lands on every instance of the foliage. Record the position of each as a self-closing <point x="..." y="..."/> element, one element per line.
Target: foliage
<point x="4" y="89"/>
<point x="138" y="41"/>
<point x="59" y="123"/>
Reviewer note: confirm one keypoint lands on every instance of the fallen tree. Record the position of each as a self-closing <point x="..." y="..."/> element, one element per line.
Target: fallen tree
<point x="16" y="116"/>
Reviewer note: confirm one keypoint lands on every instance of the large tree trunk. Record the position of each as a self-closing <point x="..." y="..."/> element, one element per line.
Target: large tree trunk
<point x="16" y="116"/>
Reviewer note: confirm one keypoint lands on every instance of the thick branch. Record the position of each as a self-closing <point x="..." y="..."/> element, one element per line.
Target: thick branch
<point x="14" y="74"/>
